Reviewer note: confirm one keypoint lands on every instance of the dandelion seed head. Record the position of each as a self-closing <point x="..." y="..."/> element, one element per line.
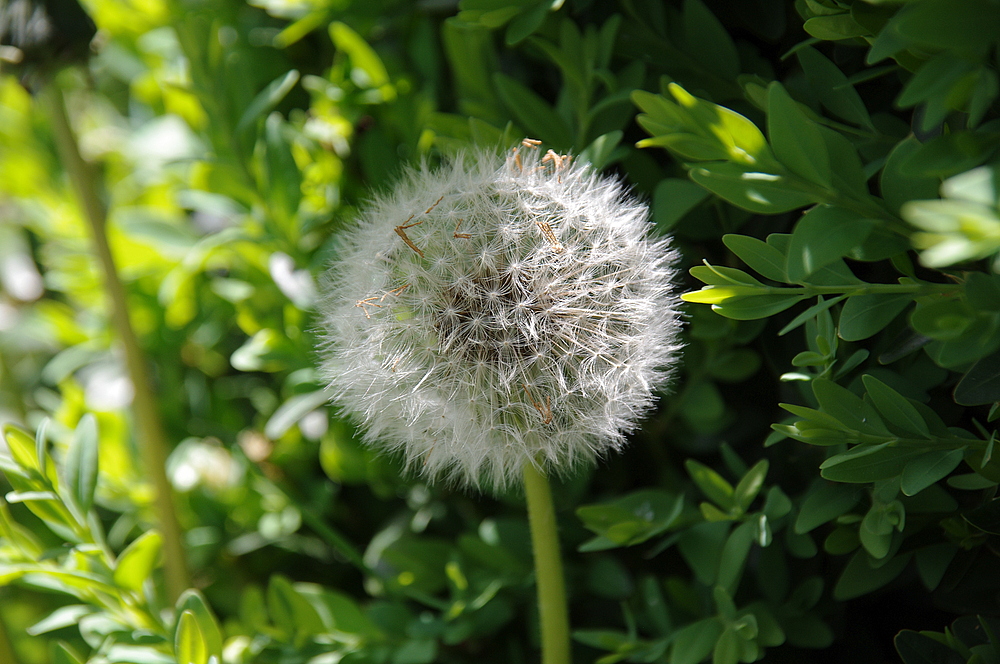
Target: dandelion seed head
<point x="495" y="312"/>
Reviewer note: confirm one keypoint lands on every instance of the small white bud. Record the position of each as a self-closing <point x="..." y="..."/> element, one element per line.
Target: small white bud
<point x="493" y="313"/>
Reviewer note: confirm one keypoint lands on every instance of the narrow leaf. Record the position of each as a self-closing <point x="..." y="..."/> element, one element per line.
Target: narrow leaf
<point x="81" y="463"/>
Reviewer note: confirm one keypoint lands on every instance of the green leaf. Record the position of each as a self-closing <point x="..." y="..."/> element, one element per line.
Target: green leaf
<point x="897" y="411"/>
<point x="762" y="257"/>
<point x="63" y="653"/>
<point x="981" y="383"/>
<point x="189" y="645"/>
<point x="942" y="318"/>
<point x="22" y="448"/>
<point x="824" y="503"/>
<point x="81" y="463"/>
<point x="64" y="616"/>
<point x="928" y="468"/>
<point x="841" y="404"/>
<point x="672" y="199"/>
<point x="526" y="23"/>
<point x="718" y="275"/>
<point x="756" y="191"/>
<point x="756" y="306"/>
<point x="933" y="561"/>
<point x="734" y="555"/>
<point x="795" y="139"/>
<point x="533" y="113"/>
<point x="834" y="27"/>
<point x="192" y="601"/>
<point x="868" y="463"/>
<point x="898" y="187"/>
<point x="268" y="98"/>
<point x="916" y="648"/>
<point x="860" y="578"/>
<point x="701" y="547"/>
<point x="126" y="654"/>
<point x="708" y="41"/>
<point x="715" y="488"/>
<point x="821" y="236"/>
<point x="290" y="610"/>
<point x="363" y="57"/>
<point x="866" y="315"/>
<point x="693" y="642"/>
<point x="832" y="87"/>
<point x="633" y="518"/>
<point x="136" y="563"/>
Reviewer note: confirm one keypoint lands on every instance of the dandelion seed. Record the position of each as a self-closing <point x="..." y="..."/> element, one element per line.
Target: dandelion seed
<point x="537" y="339"/>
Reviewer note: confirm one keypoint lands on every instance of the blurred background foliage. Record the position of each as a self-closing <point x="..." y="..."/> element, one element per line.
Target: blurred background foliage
<point x="819" y="484"/>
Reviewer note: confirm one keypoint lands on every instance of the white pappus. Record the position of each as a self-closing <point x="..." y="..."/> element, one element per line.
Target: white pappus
<point x="499" y="311"/>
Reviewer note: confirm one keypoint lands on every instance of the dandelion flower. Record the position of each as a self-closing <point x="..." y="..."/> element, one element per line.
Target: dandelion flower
<point x="497" y="312"/>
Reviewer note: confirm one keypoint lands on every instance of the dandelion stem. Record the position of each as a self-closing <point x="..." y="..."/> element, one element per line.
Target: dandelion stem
<point x="552" y="610"/>
<point x="149" y="428"/>
<point x="6" y="648"/>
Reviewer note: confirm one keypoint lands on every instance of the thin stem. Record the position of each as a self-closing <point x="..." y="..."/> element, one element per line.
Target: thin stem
<point x="150" y="435"/>
<point x="6" y="648"/>
<point x="552" y="610"/>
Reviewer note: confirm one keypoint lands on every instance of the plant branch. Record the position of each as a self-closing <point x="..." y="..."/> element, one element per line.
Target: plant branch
<point x="151" y="438"/>
<point x="552" y="609"/>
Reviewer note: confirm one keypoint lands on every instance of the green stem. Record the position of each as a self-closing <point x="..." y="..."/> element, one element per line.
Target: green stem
<point x="150" y="435"/>
<point x="6" y="648"/>
<point x="864" y="289"/>
<point x="552" y="609"/>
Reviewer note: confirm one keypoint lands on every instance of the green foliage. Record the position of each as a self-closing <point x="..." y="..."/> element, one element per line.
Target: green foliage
<point x="828" y="169"/>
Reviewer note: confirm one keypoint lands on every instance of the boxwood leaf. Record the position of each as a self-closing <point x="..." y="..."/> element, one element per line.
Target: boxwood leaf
<point x="896" y="410"/>
<point x="868" y="463"/>
<point x="928" y="468"/>
<point x="821" y="236"/>
<point x="795" y="139"/>
<point x="136" y="562"/>
<point x="762" y="257"/>
<point x="81" y="463"/>
<point x="865" y="315"/>
<point x="533" y="113"/>
<point x="756" y="191"/>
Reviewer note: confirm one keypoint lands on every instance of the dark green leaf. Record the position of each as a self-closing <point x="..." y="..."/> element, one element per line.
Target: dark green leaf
<point x="896" y="410"/>
<point x="693" y="642"/>
<point x="916" y="648"/>
<point x="708" y="41"/>
<point x="868" y="463"/>
<point x="673" y="199"/>
<point x="981" y="383"/>
<point x="834" y="28"/>
<point x="795" y="139"/>
<point x="533" y="113"/>
<point x="860" y="578"/>
<point x="824" y="503"/>
<point x="898" y="187"/>
<point x="734" y="555"/>
<point x="821" y="236"/>
<point x="865" y="315"/>
<point x="832" y="87"/>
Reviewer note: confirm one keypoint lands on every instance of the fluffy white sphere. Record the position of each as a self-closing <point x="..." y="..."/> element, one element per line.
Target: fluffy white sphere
<point x="496" y="312"/>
